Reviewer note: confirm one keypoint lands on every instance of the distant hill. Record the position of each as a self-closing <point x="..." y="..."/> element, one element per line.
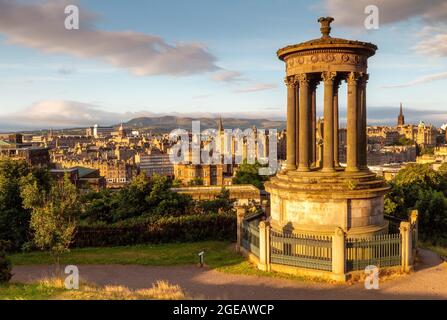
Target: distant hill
<point x="169" y="123"/>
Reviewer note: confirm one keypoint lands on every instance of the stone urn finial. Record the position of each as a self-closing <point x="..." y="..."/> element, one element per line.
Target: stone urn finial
<point x="325" y="26"/>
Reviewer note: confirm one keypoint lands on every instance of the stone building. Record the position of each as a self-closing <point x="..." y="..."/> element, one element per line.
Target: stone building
<point x="426" y="135"/>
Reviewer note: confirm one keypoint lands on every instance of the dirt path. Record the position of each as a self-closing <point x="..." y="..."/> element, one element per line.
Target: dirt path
<point x="428" y="282"/>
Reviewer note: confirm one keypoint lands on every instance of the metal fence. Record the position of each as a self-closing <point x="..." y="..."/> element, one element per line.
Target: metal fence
<point x="305" y="251"/>
<point x="250" y="236"/>
<point x="381" y="251"/>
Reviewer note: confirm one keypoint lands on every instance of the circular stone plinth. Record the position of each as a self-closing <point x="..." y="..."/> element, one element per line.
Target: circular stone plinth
<point x="318" y="202"/>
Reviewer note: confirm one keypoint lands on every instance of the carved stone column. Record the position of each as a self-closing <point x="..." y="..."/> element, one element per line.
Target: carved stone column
<point x="313" y="122"/>
<point x="328" y="148"/>
<point x="336" y="125"/>
<point x="352" y="123"/>
<point x="291" y="129"/>
<point x="363" y="138"/>
<point x="297" y="121"/>
<point x="303" y="163"/>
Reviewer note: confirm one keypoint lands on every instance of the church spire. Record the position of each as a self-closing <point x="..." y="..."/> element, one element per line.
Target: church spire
<point x="220" y="125"/>
<point x="401" y="118"/>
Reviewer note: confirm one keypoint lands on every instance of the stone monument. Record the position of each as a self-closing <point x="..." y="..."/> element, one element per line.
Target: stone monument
<point x="315" y="194"/>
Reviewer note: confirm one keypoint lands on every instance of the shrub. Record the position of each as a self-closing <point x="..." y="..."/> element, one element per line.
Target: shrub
<point x="5" y="264"/>
<point x="199" y="227"/>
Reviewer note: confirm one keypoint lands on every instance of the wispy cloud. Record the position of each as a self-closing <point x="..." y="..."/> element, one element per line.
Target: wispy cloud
<point x="41" y="26"/>
<point x="257" y="87"/>
<point x="227" y="76"/>
<point x="421" y="80"/>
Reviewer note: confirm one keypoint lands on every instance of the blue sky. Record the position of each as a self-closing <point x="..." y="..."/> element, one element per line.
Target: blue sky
<point x="45" y="80"/>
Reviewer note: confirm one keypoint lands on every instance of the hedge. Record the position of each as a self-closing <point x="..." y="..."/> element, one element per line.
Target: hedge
<point x="162" y="230"/>
<point x="5" y="264"/>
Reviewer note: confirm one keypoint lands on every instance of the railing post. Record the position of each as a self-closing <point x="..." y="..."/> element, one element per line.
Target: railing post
<point x="405" y="231"/>
<point x="264" y="246"/>
<point x="240" y="214"/>
<point x="339" y="255"/>
<point x="266" y="207"/>
<point x="415" y="228"/>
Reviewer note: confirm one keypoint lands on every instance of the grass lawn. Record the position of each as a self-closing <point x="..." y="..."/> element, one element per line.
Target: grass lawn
<point x="217" y="254"/>
<point x="441" y="250"/>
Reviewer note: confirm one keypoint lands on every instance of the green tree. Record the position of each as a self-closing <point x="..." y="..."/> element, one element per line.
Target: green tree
<point x="249" y="174"/>
<point x="5" y="264"/>
<point x="53" y="215"/>
<point x="14" y="218"/>
<point x="432" y="207"/>
<point x="222" y="203"/>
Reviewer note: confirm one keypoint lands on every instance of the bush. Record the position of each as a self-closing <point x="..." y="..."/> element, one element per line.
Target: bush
<point x="5" y="264"/>
<point x="188" y="228"/>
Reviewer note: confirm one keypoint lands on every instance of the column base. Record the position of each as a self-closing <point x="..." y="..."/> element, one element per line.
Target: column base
<point x="303" y="169"/>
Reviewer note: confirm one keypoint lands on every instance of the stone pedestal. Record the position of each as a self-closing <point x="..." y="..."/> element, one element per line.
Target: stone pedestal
<point x="317" y="202"/>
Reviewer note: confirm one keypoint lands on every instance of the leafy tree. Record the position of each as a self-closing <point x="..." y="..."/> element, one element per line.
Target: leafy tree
<point x="5" y="264"/>
<point x="53" y="215"/>
<point x="196" y="182"/>
<point x="249" y="174"/>
<point x="432" y="207"/>
<point x="222" y="203"/>
<point x="14" y="219"/>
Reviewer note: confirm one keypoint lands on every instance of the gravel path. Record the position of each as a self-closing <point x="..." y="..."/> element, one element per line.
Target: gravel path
<point x="429" y="281"/>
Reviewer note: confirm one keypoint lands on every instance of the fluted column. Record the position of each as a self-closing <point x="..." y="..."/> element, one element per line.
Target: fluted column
<point x="336" y="125"/>
<point x="352" y="123"/>
<point x="363" y="143"/>
<point x="297" y="121"/>
<point x="313" y="122"/>
<point x="328" y="140"/>
<point x="304" y="116"/>
<point x="291" y="122"/>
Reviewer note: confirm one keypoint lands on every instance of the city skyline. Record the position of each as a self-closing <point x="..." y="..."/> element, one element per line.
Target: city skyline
<point x="52" y="77"/>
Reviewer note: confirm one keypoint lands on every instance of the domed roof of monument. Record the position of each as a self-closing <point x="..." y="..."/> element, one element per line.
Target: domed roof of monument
<point x="327" y="42"/>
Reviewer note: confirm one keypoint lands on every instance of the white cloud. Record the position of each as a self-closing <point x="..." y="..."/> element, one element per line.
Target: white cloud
<point x="425" y="79"/>
<point x="227" y="76"/>
<point x="41" y="26"/>
<point x="257" y="87"/>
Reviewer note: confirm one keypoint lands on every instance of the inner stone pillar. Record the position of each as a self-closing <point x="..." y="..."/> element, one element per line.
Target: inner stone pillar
<point x="352" y="123"/>
<point x="336" y="125"/>
<point x="304" y="124"/>
<point x="313" y="123"/>
<point x="328" y="140"/>
<point x="363" y="143"/>
<point x="297" y="120"/>
<point x="291" y="129"/>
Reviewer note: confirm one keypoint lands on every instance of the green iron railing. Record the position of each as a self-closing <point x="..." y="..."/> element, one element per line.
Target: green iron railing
<point x="380" y="251"/>
<point x="250" y="236"/>
<point x="305" y="251"/>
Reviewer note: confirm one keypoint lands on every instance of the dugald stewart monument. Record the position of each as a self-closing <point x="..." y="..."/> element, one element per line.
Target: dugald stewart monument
<point x="315" y="194"/>
<point x="325" y="219"/>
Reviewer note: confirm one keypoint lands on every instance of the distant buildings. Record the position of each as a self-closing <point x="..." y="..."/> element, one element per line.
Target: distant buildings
<point x="12" y="147"/>
<point x="155" y="163"/>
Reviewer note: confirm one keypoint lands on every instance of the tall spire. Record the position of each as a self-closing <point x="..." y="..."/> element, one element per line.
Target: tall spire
<point x="220" y="125"/>
<point x="401" y="118"/>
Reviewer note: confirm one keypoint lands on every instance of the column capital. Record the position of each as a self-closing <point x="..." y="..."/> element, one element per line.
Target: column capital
<point x="303" y="79"/>
<point x="328" y="76"/>
<point x="363" y="80"/>
<point x="290" y="81"/>
<point x="313" y="84"/>
<point x="353" y="78"/>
